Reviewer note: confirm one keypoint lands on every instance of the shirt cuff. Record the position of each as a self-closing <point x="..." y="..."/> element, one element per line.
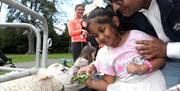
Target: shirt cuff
<point x="173" y="50"/>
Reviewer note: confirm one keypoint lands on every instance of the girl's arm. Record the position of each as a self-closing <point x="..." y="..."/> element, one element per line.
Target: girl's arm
<point x="100" y="84"/>
<point x="157" y="63"/>
<point x="148" y="66"/>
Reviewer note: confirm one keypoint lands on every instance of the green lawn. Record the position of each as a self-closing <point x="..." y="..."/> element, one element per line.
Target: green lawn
<point x="27" y="58"/>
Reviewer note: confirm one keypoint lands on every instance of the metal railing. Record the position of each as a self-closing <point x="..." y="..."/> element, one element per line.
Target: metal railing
<point x="16" y="73"/>
<point x="38" y="37"/>
<point x="23" y="72"/>
<point x="16" y="5"/>
<point x="40" y="63"/>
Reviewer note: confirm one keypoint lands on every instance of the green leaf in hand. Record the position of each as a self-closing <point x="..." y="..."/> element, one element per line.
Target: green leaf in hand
<point x="81" y="78"/>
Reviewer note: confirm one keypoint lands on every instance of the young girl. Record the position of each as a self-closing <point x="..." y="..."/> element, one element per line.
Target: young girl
<point x="119" y="59"/>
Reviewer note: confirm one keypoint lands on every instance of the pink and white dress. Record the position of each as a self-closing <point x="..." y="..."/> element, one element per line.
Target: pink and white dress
<point x="113" y="61"/>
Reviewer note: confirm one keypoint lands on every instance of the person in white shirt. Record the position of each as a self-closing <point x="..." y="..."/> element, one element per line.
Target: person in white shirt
<point x="161" y="19"/>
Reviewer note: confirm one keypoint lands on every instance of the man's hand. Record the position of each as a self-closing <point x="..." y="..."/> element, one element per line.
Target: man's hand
<point x="151" y="48"/>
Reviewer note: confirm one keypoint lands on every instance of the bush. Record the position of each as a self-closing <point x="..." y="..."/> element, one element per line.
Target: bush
<point x="12" y="41"/>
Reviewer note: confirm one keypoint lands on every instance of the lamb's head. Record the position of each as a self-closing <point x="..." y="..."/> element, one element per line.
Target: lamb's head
<point x="53" y="71"/>
<point x="57" y="69"/>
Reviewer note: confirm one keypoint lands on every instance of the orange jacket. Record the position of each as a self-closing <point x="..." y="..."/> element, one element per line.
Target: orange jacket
<point x="74" y="28"/>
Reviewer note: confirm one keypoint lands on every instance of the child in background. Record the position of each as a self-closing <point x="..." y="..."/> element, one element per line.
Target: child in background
<point x="86" y="57"/>
<point x="120" y="59"/>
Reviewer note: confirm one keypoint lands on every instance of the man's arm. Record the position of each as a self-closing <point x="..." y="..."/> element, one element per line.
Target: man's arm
<point x="173" y="50"/>
<point x="157" y="48"/>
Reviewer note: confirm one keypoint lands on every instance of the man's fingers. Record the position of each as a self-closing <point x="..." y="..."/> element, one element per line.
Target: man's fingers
<point x="148" y="56"/>
<point x="142" y="47"/>
<point x="144" y="42"/>
<point x="144" y="52"/>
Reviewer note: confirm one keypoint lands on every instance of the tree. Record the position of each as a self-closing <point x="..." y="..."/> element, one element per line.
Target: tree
<point x="43" y="7"/>
<point x="55" y="11"/>
<point x="60" y="43"/>
<point x="12" y="41"/>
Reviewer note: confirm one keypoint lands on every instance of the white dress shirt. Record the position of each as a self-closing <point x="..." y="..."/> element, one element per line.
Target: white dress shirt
<point x="153" y="16"/>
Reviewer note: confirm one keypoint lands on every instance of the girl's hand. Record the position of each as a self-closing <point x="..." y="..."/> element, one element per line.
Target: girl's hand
<point x="89" y="70"/>
<point x="134" y="68"/>
<point x="89" y="83"/>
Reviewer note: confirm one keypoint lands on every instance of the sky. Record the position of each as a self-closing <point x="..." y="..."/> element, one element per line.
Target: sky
<point x="3" y="13"/>
<point x="66" y="8"/>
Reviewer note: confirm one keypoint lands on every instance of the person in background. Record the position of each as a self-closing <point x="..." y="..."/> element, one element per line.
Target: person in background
<point x="77" y="34"/>
<point x="159" y="18"/>
<point x="119" y="58"/>
<point x="86" y="56"/>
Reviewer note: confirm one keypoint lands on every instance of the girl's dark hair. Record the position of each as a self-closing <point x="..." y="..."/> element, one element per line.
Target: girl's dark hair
<point x="78" y="6"/>
<point x="96" y="12"/>
<point x="105" y="20"/>
<point x="102" y="16"/>
<point x="99" y="11"/>
<point x="87" y="51"/>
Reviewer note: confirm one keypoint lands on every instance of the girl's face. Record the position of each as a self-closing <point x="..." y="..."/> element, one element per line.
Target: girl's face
<point x="104" y="34"/>
<point x="79" y="11"/>
<point x="128" y="7"/>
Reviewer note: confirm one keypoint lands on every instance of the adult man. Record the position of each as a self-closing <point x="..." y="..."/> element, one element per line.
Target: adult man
<point x="160" y="18"/>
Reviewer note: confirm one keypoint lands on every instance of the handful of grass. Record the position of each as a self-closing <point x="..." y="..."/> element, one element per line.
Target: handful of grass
<point x="81" y="78"/>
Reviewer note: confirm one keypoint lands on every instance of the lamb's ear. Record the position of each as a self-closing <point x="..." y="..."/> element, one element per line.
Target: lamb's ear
<point x="116" y="21"/>
<point x="44" y="77"/>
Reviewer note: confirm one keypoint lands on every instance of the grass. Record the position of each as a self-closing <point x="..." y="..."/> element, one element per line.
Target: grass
<point x="26" y="58"/>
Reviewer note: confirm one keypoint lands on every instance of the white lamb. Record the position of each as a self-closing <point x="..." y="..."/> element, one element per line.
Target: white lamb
<point x="54" y="78"/>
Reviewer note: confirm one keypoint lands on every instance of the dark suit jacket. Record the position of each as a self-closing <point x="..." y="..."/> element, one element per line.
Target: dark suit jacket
<point x="170" y="17"/>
